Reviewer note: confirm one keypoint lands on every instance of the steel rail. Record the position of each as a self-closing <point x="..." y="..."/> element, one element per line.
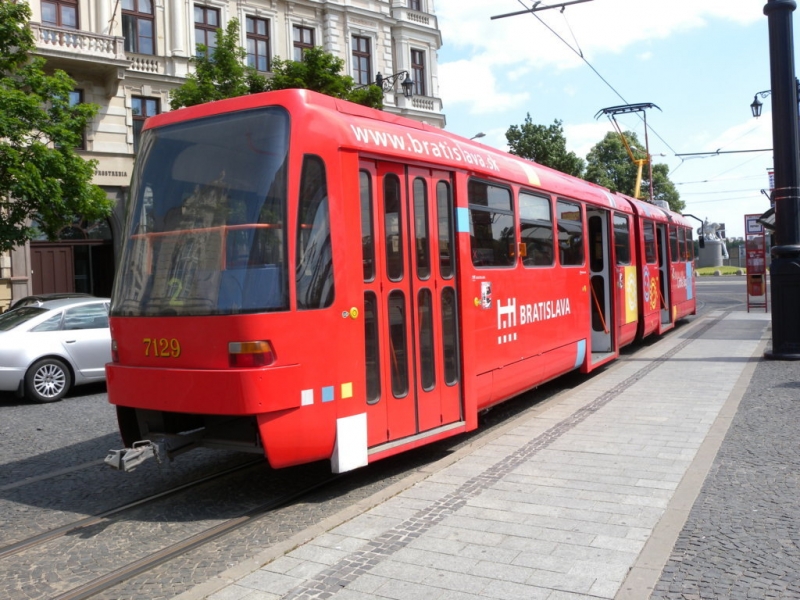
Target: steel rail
<point x="58" y="532"/>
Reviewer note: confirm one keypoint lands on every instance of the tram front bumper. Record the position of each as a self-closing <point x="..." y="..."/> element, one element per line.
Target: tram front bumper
<point x="210" y="392"/>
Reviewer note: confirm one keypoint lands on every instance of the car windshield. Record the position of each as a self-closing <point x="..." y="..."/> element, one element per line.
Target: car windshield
<point x="18" y="316"/>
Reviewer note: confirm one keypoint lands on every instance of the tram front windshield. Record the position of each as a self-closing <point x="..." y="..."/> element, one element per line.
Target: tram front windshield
<point x="206" y="220"/>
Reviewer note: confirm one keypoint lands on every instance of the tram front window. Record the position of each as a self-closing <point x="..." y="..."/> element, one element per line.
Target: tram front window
<point x="206" y="225"/>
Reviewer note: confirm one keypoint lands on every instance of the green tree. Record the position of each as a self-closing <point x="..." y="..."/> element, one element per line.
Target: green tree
<point x="42" y="178"/>
<point x="320" y="71"/>
<point x="220" y="74"/>
<point x="609" y="165"/>
<point x="223" y="74"/>
<point x="545" y="145"/>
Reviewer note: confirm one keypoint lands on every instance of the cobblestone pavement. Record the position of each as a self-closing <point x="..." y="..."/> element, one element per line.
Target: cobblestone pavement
<point x="51" y="474"/>
<point x="742" y="537"/>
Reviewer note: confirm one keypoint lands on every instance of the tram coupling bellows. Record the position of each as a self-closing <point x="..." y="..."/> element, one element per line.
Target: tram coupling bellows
<point x="127" y="459"/>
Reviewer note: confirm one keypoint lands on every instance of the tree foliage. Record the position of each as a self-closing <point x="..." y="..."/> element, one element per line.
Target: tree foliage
<point x="545" y="145"/>
<point x="220" y="74"/>
<point x="42" y="178"/>
<point x="320" y="71"/>
<point x="223" y="73"/>
<point x="609" y="165"/>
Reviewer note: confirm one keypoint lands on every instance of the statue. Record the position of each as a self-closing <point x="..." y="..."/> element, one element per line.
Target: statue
<point x="710" y="233"/>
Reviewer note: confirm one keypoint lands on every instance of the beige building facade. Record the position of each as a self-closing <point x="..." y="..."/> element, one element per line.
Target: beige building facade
<point x="127" y="55"/>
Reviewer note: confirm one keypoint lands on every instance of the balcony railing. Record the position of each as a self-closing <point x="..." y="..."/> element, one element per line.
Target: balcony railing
<point x="144" y="63"/>
<point x="91" y="46"/>
<point x="416" y="17"/>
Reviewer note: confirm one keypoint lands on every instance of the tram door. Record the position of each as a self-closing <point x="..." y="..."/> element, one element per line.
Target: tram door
<point x="413" y="381"/>
<point x="601" y="280"/>
<point x="664" y="275"/>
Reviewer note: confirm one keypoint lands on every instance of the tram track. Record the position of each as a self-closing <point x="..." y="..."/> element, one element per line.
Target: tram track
<point x="129" y="540"/>
<point x="117" y="576"/>
<point x="52" y="534"/>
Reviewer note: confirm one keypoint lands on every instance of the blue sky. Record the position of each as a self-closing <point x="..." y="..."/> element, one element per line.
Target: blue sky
<point x="700" y="61"/>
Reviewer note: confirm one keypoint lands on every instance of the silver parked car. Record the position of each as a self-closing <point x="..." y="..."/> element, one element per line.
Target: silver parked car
<point x="46" y="349"/>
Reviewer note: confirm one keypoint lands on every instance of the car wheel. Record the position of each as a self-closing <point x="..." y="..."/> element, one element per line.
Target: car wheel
<point x="48" y="380"/>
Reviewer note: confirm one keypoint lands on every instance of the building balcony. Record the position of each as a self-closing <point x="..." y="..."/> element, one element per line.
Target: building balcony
<point x="84" y="52"/>
<point x="416" y="17"/>
<point x="419" y="108"/>
<point x="406" y="15"/>
<point x="147" y="63"/>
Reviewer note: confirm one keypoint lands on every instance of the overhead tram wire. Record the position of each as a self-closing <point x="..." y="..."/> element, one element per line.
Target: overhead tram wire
<point x="536" y="8"/>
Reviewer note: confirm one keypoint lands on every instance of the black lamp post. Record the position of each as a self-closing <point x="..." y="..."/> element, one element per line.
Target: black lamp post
<point x="387" y="83"/>
<point x="785" y="267"/>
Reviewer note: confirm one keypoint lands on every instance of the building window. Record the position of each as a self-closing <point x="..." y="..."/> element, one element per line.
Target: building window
<point x="362" y="60"/>
<point x="418" y="72"/>
<point x="137" y="26"/>
<point x="303" y="40"/>
<point x="257" y="43"/>
<point x="206" y="23"/>
<point x="415" y="4"/>
<point x="75" y="98"/>
<point x="61" y="13"/>
<point x="142" y="108"/>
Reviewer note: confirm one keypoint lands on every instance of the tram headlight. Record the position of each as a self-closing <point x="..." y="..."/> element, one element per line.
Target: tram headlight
<point x="114" y="351"/>
<point x="250" y="354"/>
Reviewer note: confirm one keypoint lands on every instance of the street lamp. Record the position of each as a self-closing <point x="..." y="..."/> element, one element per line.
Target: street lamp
<point x="387" y="83"/>
<point x="756" y="106"/>
<point x="478" y="135"/>
<point x="785" y="266"/>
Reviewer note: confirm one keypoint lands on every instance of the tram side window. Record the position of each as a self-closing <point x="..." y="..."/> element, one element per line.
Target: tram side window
<point x="492" y="237"/>
<point x="450" y="336"/>
<point x="367" y="231"/>
<point x="570" y="233"/>
<point x="314" y="273"/>
<point x="681" y="245"/>
<point x="398" y="346"/>
<point x="673" y="244"/>
<point x="622" y="240"/>
<point x="444" y="216"/>
<point x="392" y="227"/>
<point x="422" y="244"/>
<point x="689" y="245"/>
<point x="536" y="230"/>
<point x="650" y="242"/>
<point x="371" y="345"/>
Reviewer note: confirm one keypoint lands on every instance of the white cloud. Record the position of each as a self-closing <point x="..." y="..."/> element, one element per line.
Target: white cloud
<point x="518" y="46"/>
<point x="582" y="137"/>
<point x="474" y="83"/>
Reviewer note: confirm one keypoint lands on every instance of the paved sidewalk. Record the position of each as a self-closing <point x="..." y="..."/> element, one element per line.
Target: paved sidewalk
<point x="583" y="497"/>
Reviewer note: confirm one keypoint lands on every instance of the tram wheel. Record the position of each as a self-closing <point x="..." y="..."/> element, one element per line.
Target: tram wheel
<point x="48" y="380"/>
<point x="128" y="425"/>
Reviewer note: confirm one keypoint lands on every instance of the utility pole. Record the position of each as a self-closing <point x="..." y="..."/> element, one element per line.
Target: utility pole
<point x="785" y="266"/>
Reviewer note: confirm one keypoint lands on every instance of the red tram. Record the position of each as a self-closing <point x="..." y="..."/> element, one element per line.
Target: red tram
<point x="310" y="279"/>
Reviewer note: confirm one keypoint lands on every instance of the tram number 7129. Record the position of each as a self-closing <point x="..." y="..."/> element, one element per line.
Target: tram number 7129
<point x="162" y="347"/>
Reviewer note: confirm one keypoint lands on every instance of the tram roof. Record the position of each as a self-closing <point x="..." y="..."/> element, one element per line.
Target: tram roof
<point x="385" y="134"/>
